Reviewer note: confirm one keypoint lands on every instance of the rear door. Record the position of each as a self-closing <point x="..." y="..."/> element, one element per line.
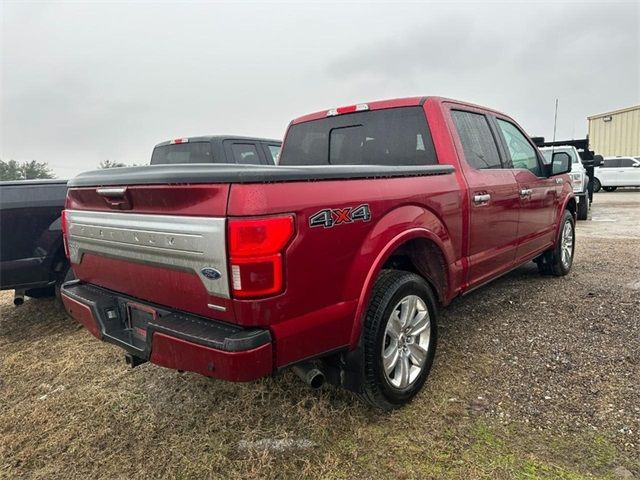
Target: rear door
<point x="493" y="197"/>
<point x="538" y="194"/>
<point x="608" y="172"/>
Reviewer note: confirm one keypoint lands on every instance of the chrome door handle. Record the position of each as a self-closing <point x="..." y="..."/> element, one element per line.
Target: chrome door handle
<point x="481" y="199"/>
<point x="525" y="192"/>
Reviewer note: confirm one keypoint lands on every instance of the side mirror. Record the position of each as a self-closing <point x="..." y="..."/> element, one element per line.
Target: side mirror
<point x="560" y="163"/>
<point x="598" y="160"/>
<point x="636" y="165"/>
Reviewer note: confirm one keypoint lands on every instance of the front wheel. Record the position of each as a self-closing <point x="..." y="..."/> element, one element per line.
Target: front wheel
<point x="558" y="260"/>
<point x="399" y="339"/>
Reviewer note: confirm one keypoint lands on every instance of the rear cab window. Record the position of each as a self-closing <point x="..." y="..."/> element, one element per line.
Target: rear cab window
<point x="394" y="136"/>
<point x="188" y="152"/>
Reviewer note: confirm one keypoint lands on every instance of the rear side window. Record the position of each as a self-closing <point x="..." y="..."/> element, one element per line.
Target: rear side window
<point x="245" y="153"/>
<point x="479" y="146"/>
<point x="191" y="152"/>
<point x="395" y="136"/>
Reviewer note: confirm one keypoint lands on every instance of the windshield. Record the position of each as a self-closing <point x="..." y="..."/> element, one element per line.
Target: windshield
<point x="191" y="152"/>
<point x="395" y="136"/>
<point x="570" y="151"/>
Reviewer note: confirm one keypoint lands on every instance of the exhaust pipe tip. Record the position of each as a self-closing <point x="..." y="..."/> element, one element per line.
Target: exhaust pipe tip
<point x="18" y="298"/>
<point x="309" y="374"/>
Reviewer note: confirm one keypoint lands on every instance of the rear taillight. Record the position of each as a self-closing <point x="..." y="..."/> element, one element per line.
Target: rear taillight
<point x="255" y="250"/>
<point x="63" y="226"/>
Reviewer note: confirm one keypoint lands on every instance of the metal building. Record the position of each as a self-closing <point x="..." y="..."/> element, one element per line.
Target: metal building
<point x="616" y="132"/>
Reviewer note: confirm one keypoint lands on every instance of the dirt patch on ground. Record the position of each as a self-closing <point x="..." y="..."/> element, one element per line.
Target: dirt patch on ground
<point x="535" y="377"/>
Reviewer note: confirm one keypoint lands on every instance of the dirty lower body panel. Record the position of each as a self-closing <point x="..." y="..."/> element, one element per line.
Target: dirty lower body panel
<point x="148" y="332"/>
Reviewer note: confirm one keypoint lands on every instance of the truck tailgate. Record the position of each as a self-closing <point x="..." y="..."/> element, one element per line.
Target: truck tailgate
<point x="161" y="243"/>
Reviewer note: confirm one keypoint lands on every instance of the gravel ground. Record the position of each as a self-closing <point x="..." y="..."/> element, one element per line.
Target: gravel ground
<point x="535" y="377"/>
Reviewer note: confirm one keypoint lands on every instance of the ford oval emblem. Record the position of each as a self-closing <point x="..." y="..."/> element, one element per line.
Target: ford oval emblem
<point x="211" y="273"/>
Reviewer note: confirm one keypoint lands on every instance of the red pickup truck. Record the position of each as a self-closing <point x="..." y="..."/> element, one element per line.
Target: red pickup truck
<point x="335" y="262"/>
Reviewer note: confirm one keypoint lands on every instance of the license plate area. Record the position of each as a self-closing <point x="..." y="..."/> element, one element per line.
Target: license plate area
<point x="138" y="318"/>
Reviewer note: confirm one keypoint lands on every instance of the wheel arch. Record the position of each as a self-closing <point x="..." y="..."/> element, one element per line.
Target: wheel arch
<point x="418" y="249"/>
<point x="571" y="205"/>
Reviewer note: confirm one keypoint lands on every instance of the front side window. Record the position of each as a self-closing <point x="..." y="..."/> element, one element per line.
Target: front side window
<point x="479" y="146"/>
<point x="522" y="153"/>
<point x="613" y="163"/>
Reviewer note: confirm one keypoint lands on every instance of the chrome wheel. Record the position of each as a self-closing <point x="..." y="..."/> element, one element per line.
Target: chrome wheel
<point x="406" y="341"/>
<point x="566" y="245"/>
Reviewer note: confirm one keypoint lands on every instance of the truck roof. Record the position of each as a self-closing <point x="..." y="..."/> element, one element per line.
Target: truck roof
<point x="557" y="147"/>
<point x="208" y="138"/>
<point x="394" y="103"/>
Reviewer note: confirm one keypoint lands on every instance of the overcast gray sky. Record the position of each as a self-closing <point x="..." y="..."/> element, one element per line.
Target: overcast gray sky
<point x="85" y="81"/>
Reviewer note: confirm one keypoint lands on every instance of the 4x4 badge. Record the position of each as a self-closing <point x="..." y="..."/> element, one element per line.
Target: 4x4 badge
<point x="330" y="217"/>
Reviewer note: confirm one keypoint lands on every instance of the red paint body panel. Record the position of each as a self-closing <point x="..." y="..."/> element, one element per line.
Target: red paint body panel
<point x="176" y="289"/>
<point x="193" y="200"/>
<point x="329" y="273"/>
<point x="83" y="314"/>
<point x="180" y="354"/>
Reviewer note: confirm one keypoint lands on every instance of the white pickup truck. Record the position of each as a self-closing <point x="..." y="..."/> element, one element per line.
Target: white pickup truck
<point x="579" y="178"/>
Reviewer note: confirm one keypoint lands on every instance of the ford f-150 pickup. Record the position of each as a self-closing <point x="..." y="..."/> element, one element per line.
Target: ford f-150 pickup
<point x="335" y="262"/>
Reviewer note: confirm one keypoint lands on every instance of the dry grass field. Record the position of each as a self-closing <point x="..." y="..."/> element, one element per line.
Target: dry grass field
<point x="534" y="378"/>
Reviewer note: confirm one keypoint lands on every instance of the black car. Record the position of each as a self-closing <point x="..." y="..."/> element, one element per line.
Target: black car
<point x="32" y="259"/>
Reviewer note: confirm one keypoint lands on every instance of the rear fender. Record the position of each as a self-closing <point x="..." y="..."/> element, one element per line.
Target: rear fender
<point x="393" y="230"/>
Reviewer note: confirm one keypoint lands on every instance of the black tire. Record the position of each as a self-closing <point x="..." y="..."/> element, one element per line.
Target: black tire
<point x="583" y="208"/>
<point x="596" y="185"/>
<point x="609" y="189"/>
<point x="392" y="286"/>
<point x="550" y="262"/>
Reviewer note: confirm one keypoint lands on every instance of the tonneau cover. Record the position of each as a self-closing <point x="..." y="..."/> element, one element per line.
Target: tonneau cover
<point x="232" y="173"/>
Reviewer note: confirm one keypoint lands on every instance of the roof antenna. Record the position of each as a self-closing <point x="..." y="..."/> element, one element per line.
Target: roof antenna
<point x="555" y="123"/>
